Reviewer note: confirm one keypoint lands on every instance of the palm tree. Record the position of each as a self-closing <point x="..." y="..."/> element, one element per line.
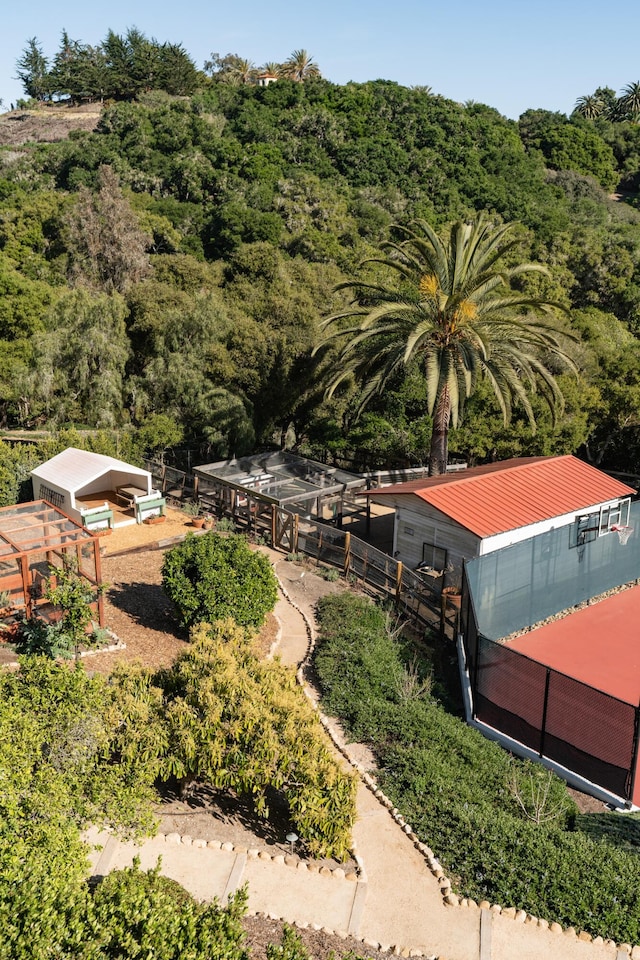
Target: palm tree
<point x="455" y="312"/>
<point x="300" y="66"/>
<point x="240" y="72"/>
<point x="629" y="101"/>
<point x="271" y="68"/>
<point x="590" y="107"/>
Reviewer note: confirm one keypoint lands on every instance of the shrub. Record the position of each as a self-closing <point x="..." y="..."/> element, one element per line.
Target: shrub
<point x="36" y="637"/>
<point x="139" y="913"/>
<point x="240" y="723"/>
<point x="225" y="525"/>
<point x="73" y="595"/>
<point x="210" y="578"/>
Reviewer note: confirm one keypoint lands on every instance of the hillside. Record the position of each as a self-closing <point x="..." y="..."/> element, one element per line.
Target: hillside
<point x="45" y="125"/>
<point x="165" y="265"/>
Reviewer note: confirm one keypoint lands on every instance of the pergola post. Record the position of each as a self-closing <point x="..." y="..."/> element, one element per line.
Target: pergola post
<point x="398" y="579"/>
<point x="26" y="586"/>
<point x="98" y="569"/>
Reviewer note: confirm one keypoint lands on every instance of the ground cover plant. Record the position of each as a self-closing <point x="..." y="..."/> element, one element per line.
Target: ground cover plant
<point x="506" y="831"/>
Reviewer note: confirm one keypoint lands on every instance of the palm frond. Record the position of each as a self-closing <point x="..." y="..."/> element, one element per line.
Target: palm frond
<point x="455" y="311"/>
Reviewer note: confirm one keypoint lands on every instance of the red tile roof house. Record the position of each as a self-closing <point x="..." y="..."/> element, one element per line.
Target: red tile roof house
<point x="537" y="536"/>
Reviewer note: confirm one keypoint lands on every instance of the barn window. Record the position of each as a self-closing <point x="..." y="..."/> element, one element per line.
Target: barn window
<point x="434" y="556"/>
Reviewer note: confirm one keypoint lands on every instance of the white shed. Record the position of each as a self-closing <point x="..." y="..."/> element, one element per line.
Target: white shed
<point x="441" y="521"/>
<point x="88" y="486"/>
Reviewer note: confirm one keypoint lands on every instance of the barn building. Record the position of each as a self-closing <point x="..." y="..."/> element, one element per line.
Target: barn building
<point x="442" y="521"/>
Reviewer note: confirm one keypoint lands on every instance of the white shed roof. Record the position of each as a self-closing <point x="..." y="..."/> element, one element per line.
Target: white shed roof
<point x="73" y="469"/>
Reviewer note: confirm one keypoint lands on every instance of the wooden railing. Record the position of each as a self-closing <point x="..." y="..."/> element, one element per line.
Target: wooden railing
<point x="357" y="560"/>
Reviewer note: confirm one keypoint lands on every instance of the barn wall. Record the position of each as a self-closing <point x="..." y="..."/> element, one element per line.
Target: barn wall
<point x="489" y="544"/>
<point x="426" y="525"/>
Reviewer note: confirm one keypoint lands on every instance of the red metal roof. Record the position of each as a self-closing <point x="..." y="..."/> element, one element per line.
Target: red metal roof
<point x="513" y="493"/>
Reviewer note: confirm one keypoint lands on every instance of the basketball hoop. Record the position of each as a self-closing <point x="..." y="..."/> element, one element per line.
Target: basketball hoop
<point x="623" y="533"/>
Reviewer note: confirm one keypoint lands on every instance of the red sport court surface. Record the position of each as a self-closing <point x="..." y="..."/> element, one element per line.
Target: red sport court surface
<point x="597" y="645"/>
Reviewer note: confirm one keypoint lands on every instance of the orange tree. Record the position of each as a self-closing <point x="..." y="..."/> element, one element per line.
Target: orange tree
<point x="212" y="577"/>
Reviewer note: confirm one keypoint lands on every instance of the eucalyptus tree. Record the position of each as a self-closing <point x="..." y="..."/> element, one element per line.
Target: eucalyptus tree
<point x="106" y="246"/>
<point x="456" y="312"/>
<point x="300" y="66"/>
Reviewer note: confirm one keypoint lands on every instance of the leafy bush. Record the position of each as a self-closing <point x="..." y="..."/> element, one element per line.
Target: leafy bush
<point x="139" y="913"/>
<point x="505" y="828"/>
<point x="241" y="723"/>
<point x="226" y="525"/>
<point x="211" y="578"/>
<point x="62" y="640"/>
<point x="36" y="637"/>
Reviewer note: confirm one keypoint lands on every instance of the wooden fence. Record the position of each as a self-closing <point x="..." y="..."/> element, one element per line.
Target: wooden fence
<point x="357" y="560"/>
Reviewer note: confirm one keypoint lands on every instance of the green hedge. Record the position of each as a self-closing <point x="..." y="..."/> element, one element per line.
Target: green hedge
<point x="454" y="787"/>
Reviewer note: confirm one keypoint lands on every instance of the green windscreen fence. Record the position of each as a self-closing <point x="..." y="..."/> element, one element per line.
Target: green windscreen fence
<point x="525" y="583"/>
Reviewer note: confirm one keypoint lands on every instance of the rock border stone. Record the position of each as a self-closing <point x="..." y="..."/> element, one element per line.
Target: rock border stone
<point x="256" y="853"/>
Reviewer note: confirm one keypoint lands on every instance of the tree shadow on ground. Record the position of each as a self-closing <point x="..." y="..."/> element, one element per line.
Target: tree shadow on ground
<point x="146" y="604"/>
<point x="224" y="806"/>
<point x="622" y="830"/>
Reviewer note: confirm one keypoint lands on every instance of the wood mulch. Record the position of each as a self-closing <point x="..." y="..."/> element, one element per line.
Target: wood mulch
<point x="320" y="945"/>
<point x="137" y="610"/>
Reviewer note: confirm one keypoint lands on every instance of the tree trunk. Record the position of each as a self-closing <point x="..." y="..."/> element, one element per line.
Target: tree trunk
<point x="438" y="453"/>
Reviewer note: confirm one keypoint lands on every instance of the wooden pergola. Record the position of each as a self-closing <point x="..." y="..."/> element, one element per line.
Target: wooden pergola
<point x="35" y="539"/>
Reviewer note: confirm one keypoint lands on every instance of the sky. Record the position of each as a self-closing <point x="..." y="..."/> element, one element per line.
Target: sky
<point x="508" y="54"/>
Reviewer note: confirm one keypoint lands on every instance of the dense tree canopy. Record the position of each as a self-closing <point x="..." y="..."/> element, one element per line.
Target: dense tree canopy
<point x="205" y="236"/>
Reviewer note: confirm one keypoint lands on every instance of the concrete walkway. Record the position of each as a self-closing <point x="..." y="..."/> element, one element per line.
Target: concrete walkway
<point x="396" y="902"/>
